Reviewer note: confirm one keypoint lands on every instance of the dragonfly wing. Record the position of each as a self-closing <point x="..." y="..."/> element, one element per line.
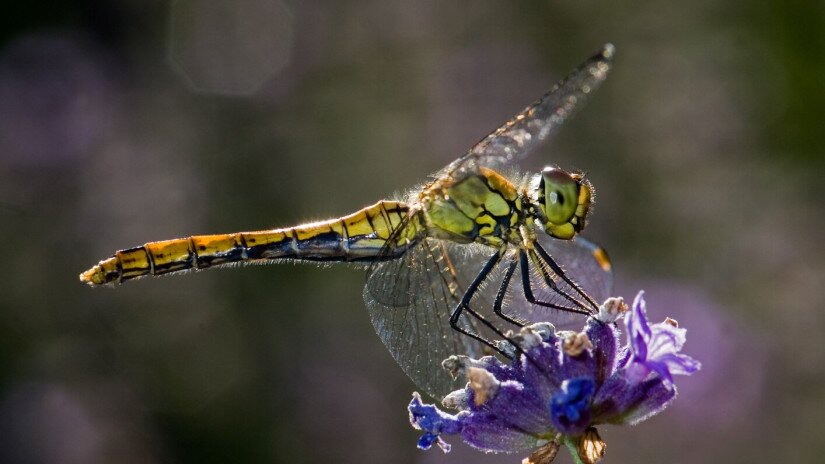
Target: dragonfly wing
<point x="521" y="134"/>
<point x="410" y="300"/>
<point x="583" y="262"/>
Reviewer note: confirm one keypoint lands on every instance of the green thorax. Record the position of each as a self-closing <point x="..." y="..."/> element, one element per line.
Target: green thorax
<point x="484" y="208"/>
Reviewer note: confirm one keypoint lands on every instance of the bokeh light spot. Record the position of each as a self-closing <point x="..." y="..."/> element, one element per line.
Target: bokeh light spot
<point x="229" y="47"/>
<point x="56" y="101"/>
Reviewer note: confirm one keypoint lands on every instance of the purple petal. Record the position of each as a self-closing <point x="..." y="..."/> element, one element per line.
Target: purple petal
<point x="428" y="439"/>
<point x="433" y="422"/>
<point x="500" y="370"/>
<point x="623" y="357"/>
<point x="605" y="346"/>
<point x="582" y="365"/>
<point x="680" y="364"/>
<point x="513" y="420"/>
<point x="609" y="400"/>
<point x="665" y="338"/>
<point x="544" y="373"/>
<point x="491" y="434"/>
<point x="660" y="368"/>
<point x="515" y="406"/>
<point x="655" y="348"/>
<point x="655" y="397"/>
<point x="638" y="330"/>
<point x="620" y="401"/>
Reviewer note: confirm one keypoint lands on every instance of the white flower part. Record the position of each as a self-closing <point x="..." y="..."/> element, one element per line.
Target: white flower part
<point x="545" y="330"/>
<point x="506" y="347"/>
<point x="457" y="365"/>
<point x="458" y="400"/>
<point x="563" y="334"/>
<point x="527" y="338"/>
<point x="665" y="346"/>
<point x="612" y="309"/>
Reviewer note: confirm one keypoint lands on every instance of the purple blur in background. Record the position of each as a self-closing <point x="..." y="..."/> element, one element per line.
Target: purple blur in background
<point x="123" y="122"/>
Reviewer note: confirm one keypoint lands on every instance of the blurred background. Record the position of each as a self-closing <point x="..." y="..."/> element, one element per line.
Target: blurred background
<point x="128" y="121"/>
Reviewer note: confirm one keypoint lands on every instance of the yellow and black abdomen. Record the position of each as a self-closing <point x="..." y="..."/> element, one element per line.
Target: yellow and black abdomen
<point x="357" y="237"/>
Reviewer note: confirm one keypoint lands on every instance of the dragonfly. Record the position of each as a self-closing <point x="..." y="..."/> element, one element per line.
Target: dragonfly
<point x="451" y="264"/>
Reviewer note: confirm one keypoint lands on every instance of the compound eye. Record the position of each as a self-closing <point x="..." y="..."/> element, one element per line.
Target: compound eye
<point x="561" y="195"/>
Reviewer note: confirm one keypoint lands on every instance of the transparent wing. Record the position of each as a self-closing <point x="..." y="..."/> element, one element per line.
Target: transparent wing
<point x="410" y="300"/>
<point x="521" y="134"/>
<point x="583" y="262"/>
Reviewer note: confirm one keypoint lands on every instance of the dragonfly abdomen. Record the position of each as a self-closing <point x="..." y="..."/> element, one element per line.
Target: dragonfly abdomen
<point x="357" y="237"/>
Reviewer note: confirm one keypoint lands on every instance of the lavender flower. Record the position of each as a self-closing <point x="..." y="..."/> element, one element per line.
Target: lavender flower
<point x="561" y="386"/>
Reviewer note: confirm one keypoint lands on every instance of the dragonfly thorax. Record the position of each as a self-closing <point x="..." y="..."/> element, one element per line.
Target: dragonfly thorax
<point x="563" y="201"/>
<point x="484" y="207"/>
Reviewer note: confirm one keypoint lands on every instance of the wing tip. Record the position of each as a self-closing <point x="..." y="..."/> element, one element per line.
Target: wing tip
<point x="602" y="259"/>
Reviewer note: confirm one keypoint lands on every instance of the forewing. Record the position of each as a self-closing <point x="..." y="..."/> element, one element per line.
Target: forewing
<point x="410" y="300"/>
<point x="525" y="131"/>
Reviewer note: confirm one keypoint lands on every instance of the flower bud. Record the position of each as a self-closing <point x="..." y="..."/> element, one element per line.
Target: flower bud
<point x="576" y="343"/>
<point x="590" y="446"/>
<point x="612" y="309"/>
<point x="544" y="455"/>
<point x="456" y="400"/>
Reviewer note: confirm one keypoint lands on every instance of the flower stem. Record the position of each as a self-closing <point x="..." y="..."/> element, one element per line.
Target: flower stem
<point x="570" y="442"/>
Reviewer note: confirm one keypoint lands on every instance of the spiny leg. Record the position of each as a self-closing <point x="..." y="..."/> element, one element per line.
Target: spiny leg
<point x="560" y="272"/>
<point x="502" y="291"/>
<point x="528" y="288"/>
<point x="464" y="305"/>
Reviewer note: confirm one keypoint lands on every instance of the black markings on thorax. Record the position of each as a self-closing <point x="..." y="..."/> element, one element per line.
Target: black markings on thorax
<point x="502" y="223"/>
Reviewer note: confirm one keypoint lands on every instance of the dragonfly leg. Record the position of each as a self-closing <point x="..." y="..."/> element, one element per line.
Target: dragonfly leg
<point x="528" y="288"/>
<point x="560" y="272"/>
<point x="502" y="291"/>
<point x="464" y="305"/>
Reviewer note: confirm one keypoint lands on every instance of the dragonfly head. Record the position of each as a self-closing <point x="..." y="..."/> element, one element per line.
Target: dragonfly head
<point x="564" y="200"/>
